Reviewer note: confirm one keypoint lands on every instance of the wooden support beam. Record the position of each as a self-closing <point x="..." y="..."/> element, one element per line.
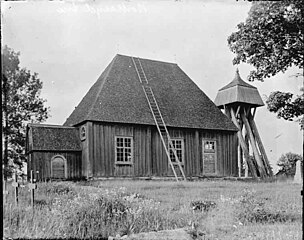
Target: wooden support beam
<point x="243" y="145"/>
<point x="261" y="146"/>
<point x="246" y="111"/>
<point x="239" y="160"/>
<point x="227" y="112"/>
<point x="253" y="114"/>
<point x="240" y="152"/>
<point x="247" y="144"/>
<point x="237" y="111"/>
<point x="253" y="145"/>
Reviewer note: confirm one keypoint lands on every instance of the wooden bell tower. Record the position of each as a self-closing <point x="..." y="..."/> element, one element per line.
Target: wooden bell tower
<point x="239" y="101"/>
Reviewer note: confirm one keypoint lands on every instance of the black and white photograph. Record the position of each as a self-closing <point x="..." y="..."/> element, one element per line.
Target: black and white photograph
<point x="152" y="120"/>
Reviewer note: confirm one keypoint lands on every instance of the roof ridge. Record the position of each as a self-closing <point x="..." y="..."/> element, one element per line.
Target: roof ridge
<point x="48" y="125"/>
<point x="101" y="86"/>
<point x="146" y="59"/>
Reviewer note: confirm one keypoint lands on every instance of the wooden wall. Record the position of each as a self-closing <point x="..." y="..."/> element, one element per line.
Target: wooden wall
<point x="41" y="161"/>
<point x="149" y="158"/>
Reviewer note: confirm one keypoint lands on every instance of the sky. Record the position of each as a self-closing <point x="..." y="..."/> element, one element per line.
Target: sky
<point x="70" y="43"/>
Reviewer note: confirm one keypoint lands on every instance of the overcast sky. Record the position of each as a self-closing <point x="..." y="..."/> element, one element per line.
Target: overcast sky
<point x="70" y="43"/>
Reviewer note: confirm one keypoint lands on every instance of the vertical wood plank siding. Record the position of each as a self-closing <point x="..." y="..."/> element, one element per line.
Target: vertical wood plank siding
<point x="149" y="157"/>
<point x="41" y="161"/>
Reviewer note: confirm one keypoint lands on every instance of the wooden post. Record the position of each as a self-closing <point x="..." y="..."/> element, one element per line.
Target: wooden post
<point x="237" y="111"/>
<point x="247" y="144"/>
<point x="240" y="152"/>
<point x="227" y="112"/>
<point x="5" y="192"/>
<point x="260" y="145"/>
<point x="239" y="160"/>
<point x="253" y="145"/>
<point x="37" y="176"/>
<point x="254" y="111"/>
<point x="32" y="186"/>
<point x="15" y="184"/>
<point x="243" y="145"/>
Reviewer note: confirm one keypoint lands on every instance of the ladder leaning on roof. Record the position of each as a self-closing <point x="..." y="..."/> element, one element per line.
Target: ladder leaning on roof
<point x="159" y="121"/>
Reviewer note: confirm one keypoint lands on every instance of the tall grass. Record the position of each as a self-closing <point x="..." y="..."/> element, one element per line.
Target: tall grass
<point x="102" y="208"/>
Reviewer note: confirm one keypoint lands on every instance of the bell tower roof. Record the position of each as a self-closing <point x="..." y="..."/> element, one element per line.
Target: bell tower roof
<point x="238" y="92"/>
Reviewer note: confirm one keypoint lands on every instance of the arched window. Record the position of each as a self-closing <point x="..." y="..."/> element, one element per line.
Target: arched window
<point x="59" y="167"/>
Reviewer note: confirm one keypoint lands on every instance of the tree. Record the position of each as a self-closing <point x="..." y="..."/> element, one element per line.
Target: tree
<point x="21" y="104"/>
<point x="287" y="163"/>
<point x="272" y="40"/>
<point x="286" y="106"/>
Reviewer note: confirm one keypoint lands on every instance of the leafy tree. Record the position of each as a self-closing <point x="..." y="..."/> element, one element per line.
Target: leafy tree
<point x="286" y="106"/>
<point x="271" y="40"/>
<point x="21" y="104"/>
<point x="287" y="163"/>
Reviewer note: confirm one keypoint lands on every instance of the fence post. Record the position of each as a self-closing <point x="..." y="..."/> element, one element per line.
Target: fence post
<point x="15" y="184"/>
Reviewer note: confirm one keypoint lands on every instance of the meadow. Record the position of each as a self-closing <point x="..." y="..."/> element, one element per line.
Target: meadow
<point x="217" y="209"/>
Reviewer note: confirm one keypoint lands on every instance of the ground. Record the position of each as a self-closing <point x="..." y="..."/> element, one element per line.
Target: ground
<point x="99" y="209"/>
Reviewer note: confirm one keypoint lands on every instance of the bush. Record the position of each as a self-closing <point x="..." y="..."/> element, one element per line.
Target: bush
<point x="202" y="205"/>
<point x="59" y="189"/>
<point x="99" y="213"/>
<point x="287" y="163"/>
<point x="250" y="209"/>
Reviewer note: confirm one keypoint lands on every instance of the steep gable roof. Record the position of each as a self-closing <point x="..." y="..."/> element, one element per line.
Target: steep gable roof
<point x="117" y="96"/>
<point x="44" y="137"/>
<point x="238" y="91"/>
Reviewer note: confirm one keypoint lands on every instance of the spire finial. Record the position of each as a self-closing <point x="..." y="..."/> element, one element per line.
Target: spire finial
<point x="237" y="75"/>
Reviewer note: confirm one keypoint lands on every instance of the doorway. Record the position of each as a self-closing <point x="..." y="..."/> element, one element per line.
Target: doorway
<point x="209" y="157"/>
<point x="58" y="167"/>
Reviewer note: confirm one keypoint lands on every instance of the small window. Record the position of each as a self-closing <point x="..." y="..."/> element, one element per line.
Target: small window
<point x="82" y="133"/>
<point x="209" y="146"/>
<point x="124" y="150"/>
<point x="179" y="148"/>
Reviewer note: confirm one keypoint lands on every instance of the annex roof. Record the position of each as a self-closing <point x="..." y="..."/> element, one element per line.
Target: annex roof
<point x="44" y="137"/>
<point x="238" y="91"/>
<point x="117" y="96"/>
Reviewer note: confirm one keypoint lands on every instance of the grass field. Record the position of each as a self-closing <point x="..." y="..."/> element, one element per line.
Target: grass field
<point x="98" y="209"/>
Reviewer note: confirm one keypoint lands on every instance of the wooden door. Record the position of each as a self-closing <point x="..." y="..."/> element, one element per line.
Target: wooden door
<point x="209" y="157"/>
<point x="58" y="167"/>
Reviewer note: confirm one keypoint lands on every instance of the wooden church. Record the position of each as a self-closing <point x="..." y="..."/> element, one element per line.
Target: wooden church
<point x="141" y="118"/>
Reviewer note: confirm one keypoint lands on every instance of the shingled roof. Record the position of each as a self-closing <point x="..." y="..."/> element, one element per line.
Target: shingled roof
<point x="117" y="96"/>
<point x="238" y="91"/>
<point x="53" y="138"/>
